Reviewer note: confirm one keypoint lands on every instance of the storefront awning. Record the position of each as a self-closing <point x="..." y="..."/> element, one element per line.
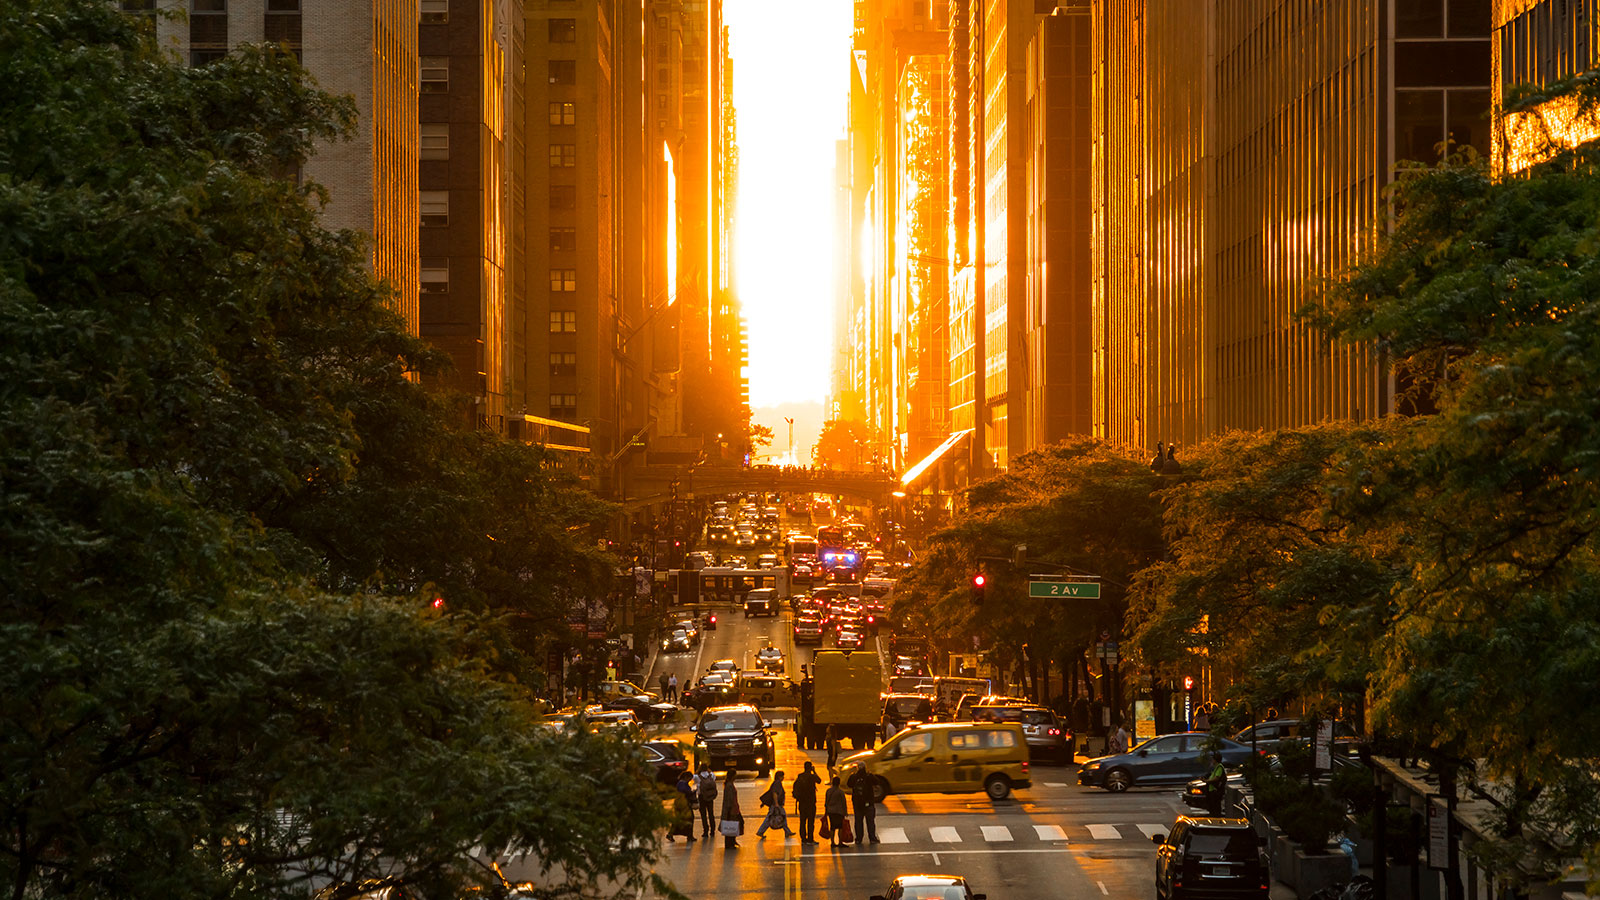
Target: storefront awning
<point x="927" y="462"/>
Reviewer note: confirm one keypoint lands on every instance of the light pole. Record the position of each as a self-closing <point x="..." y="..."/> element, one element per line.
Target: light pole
<point x="791" y="439"/>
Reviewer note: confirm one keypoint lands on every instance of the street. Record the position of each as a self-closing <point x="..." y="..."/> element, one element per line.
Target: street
<point x="1052" y="839"/>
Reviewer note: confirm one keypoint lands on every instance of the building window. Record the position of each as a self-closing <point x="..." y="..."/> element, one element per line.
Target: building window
<point x="563" y="113"/>
<point x="434" y="140"/>
<point x="435" y="276"/>
<point x="435" y="208"/>
<point x="563" y="71"/>
<point x="563" y="239"/>
<point x="564" y="406"/>
<point x="563" y="196"/>
<point x="208" y="31"/>
<point x="563" y="31"/>
<point x="563" y="321"/>
<point x="435" y="77"/>
<point x="563" y="156"/>
<point x="563" y="280"/>
<point x="563" y="364"/>
<point x="435" y="12"/>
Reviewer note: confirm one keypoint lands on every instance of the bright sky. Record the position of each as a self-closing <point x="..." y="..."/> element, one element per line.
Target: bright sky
<point x="791" y="88"/>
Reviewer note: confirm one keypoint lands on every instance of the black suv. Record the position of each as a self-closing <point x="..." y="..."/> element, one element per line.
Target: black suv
<point x="735" y="737"/>
<point x="1208" y="857"/>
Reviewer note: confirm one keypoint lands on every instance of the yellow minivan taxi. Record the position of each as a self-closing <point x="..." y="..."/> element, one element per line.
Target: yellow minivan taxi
<point x="949" y="758"/>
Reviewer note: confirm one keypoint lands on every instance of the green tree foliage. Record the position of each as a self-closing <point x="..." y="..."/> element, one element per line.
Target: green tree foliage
<point x="842" y="445"/>
<point x="1263" y="576"/>
<point x="1081" y="504"/>
<point x="222" y="502"/>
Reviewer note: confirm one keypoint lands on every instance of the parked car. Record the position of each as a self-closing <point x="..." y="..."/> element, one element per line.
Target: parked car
<point x="735" y="737"/>
<point x="1211" y="857"/>
<point x="1167" y="759"/>
<point x="928" y="887"/>
<point x="1266" y="736"/>
<point x="667" y="758"/>
<point x="645" y="710"/>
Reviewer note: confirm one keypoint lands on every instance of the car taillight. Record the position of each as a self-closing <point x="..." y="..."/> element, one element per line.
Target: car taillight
<point x="1024" y="767"/>
<point x="1054" y="732"/>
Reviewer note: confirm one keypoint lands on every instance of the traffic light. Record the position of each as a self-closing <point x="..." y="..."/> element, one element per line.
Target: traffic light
<point x="1188" y="682"/>
<point x="979" y="582"/>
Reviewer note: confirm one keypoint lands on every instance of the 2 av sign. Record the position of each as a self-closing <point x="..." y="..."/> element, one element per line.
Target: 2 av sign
<point x="1076" y="590"/>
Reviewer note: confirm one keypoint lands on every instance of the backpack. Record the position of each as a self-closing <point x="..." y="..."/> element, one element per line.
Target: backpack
<point x="707" y="785"/>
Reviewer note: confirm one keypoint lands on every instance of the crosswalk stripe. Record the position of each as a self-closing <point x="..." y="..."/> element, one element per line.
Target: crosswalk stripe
<point x="996" y="833"/>
<point x="1104" y="832"/>
<point x="944" y="835"/>
<point x="1050" y="832"/>
<point x="893" y="836"/>
<point x="1151" y="831"/>
<point x="1055" y="784"/>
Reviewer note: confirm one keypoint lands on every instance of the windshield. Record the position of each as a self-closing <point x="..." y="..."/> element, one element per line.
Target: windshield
<point x="911" y="706"/>
<point x="731" y="721"/>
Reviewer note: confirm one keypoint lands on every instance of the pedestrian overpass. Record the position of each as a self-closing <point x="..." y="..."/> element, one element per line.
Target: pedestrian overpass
<point x="656" y="484"/>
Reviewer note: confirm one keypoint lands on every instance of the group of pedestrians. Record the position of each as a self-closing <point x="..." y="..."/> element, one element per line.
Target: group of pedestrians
<point x="669" y="687"/>
<point x="841" y="796"/>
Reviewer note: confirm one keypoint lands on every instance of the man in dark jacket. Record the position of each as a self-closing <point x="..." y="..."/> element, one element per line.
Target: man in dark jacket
<point x="866" y="808"/>
<point x="805" y="802"/>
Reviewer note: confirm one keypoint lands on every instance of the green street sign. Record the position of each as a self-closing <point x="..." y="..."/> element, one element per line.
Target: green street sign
<point x="1075" y="590"/>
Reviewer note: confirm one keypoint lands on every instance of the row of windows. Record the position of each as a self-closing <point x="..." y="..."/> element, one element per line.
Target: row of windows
<point x="435" y="210"/>
<point x="436" y="280"/>
<point x="433" y="142"/>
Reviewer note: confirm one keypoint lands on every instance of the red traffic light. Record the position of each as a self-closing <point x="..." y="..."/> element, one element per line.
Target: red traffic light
<point x="1188" y="682"/>
<point x="979" y="580"/>
<point x="712" y="618"/>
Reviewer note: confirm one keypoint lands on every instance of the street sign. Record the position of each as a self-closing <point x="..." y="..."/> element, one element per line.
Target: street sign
<point x="1076" y="590"/>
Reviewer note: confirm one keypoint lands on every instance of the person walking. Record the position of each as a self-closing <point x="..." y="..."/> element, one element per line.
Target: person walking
<point x="682" y="810"/>
<point x="732" y="824"/>
<point x="834" y="809"/>
<point x="705" y="785"/>
<point x="865" y="804"/>
<point x="1202" y="720"/>
<point x="776" y="816"/>
<point x="833" y="748"/>
<point x="663" y="680"/>
<point x="805" y="802"/>
<point x="1119" y="740"/>
<point x="672" y="687"/>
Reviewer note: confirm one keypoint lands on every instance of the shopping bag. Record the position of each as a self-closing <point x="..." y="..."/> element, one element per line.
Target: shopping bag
<point x="844" y="832"/>
<point x="731" y="828"/>
<point x="827" y="827"/>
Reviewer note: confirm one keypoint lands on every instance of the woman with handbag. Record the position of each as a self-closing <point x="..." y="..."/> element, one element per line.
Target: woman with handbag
<point x="776" y="816"/>
<point x="732" y="824"/>
<point x="834" y="809"/>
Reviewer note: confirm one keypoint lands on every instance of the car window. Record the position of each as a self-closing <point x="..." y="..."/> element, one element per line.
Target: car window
<point x="1037" y="717"/>
<point x="1163" y="745"/>
<point x="1000" y="738"/>
<point x="1232" y="843"/>
<point x="934" y="892"/>
<point x="912" y="744"/>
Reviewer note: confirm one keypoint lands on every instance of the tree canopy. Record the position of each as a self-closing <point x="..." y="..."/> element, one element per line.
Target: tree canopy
<point x="227" y="510"/>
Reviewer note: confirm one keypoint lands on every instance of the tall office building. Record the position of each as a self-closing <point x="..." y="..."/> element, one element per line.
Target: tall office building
<point x="1240" y="151"/>
<point x="366" y="49"/>
<point x="471" y="77"/>
<point x="1539" y="42"/>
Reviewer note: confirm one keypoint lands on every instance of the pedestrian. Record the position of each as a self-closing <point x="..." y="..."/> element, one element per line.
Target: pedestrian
<point x="776" y="817"/>
<point x="866" y="806"/>
<point x="705" y="785"/>
<point x="805" y="802"/>
<point x="1119" y="740"/>
<point x="663" y="680"/>
<point x="834" y="808"/>
<point x="1202" y="720"/>
<point x="1216" y="784"/>
<point x="732" y="824"/>
<point x="833" y="748"/>
<point x="672" y="687"/>
<point x="682" y="810"/>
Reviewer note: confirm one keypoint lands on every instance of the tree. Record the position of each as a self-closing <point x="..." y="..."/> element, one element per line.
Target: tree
<point x="219" y="678"/>
<point x="842" y="444"/>
<point x="760" y="436"/>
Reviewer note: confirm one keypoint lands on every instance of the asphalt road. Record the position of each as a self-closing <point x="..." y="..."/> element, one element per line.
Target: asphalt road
<point x="1053" y="840"/>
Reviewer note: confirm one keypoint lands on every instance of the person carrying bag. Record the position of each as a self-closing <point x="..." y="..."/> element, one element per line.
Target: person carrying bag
<point x="732" y="824"/>
<point x="776" y="817"/>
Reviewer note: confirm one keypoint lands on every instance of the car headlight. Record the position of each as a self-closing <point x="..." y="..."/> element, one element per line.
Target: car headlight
<point x="1091" y="767"/>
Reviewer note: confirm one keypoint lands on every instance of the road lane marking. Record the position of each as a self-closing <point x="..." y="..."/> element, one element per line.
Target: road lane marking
<point x="996" y="833"/>
<point x="1151" y="831"/>
<point x="944" y="834"/>
<point x="893" y="835"/>
<point x="1103" y="888"/>
<point x="1055" y="784"/>
<point x="936" y="859"/>
<point x="1104" y="832"/>
<point x="1050" y="832"/>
